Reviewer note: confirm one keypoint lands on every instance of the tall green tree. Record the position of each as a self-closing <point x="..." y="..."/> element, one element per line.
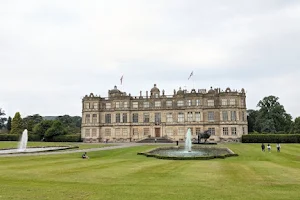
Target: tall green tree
<point x="2" y="118"/>
<point x="17" y="124"/>
<point x="71" y="124"/>
<point x="55" y="130"/>
<point x="272" y="116"/>
<point x="30" y="121"/>
<point x="296" y="126"/>
<point x="8" y="125"/>
<point x="41" y="128"/>
<point x="251" y="117"/>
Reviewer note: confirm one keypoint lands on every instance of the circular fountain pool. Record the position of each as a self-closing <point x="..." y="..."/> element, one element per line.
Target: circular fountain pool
<point x="196" y="153"/>
<point x="32" y="150"/>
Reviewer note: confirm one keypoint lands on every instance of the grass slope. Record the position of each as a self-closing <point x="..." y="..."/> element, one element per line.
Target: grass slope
<point x="121" y="174"/>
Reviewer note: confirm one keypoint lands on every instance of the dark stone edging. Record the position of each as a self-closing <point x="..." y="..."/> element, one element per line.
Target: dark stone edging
<point x="222" y="156"/>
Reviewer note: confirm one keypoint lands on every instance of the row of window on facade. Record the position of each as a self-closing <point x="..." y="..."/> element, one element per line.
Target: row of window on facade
<point x="146" y="104"/>
<point x="226" y="131"/>
<point x="170" y="117"/>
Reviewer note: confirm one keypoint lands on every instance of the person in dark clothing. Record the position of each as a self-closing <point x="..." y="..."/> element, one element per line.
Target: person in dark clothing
<point x="278" y="147"/>
<point x="84" y="156"/>
<point x="263" y="147"/>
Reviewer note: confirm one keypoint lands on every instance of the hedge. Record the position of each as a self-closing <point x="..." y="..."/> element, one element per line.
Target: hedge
<point x="16" y="137"/>
<point x="67" y="138"/>
<point x="271" y="138"/>
<point x="32" y="137"/>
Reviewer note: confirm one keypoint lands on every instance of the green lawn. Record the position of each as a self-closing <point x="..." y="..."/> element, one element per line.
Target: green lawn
<point x="121" y="174"/>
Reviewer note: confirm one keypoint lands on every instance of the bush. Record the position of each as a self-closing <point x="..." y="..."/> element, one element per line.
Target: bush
<point x="67" y="138"/>
<point x="9" y="137"/>
<point x="271" y="138"/>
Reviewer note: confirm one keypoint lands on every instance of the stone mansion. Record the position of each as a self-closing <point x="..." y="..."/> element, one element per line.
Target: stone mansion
<point x="125" y="118"/>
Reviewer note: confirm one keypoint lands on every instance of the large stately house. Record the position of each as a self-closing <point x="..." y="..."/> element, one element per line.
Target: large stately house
<point x="125" y="118"/>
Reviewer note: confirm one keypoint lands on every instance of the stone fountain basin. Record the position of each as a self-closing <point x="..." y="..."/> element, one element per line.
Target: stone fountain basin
<point x="197" y="153"/>
<point x="35" y="149"/>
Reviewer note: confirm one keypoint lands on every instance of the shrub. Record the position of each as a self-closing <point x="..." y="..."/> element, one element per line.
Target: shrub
<point x="9" y="137"/>
<point x="271" y="138"/>
<point x="67" y="138"/>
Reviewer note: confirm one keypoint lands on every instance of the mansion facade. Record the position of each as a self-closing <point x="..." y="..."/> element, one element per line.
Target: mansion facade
<point x="125" y="118"/>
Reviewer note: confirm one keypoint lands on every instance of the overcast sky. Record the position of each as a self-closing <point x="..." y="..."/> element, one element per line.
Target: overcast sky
<point x="52" y="53"/>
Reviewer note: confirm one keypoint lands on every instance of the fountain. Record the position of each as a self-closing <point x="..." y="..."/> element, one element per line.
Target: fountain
<point x="188" y="141"/>
<point x="23" y="141"/>
<point x="188" y="152"/>
<point x="22" y="147"/>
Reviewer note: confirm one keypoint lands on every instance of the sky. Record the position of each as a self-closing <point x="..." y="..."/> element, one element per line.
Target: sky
<point x="54" y="52"/>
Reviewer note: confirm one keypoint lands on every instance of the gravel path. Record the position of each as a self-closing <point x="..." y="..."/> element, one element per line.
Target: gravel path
<point x="116" y="146"/>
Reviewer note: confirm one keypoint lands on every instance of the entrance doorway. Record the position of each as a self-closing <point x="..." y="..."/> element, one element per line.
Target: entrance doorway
<point x="157" y="132"/>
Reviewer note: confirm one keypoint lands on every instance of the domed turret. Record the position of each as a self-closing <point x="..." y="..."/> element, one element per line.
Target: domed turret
<point x="154" y="92"/>
<point x="114" y="92"/>
<point x="180" y="92"/>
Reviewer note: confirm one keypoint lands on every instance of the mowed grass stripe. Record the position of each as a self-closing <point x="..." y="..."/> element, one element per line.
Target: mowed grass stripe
<point x="121" y="174"/>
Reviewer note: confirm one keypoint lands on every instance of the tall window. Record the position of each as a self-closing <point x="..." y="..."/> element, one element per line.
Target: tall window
<point x="87" y="132"/>
<point x="146" y="104"/>
<point x="242" y="102"/>
<point x="94" y="119"/>
<point x="211" y="116"/>
<point x="190" y="116"/>
<point x="118" y="132"/>
<point x="180" y="103"/>
<point x="157" y="118"/>
<point x="135" y="104"/>
<point x="118" y="118"/>
<point x="169" y="103"/>
<point x="197" y="116"/>
<point x="211" y="102"/>
<point x="180" y="131"/>
<point x="117" y="104"/>
<point x="224" y="102"/>
<point x="107" y="118"/>
<point x="135" y="117"/>
<point x="189" y="102"/>
<point x="125" y="104"/>
<point x="108" y="105"/>
<point x="233" y="130"/>
<point x="169" y="117"/>
<point x="225" y="130"/>
<point x="87" y="118"/>
<point x="243" y="116"/>
<point x="107" y="132"/>
<point x="180" y="117"/>
<point x="225" y="115"/>
<point x="95" y="105"/>
<point x="233" y="115"/>
<point x="87" y="105"/>
<point x="157" y="103"/>
<point x="124" y="132"/>
<point x="124" y="117"/>
<point x="94" y="132"/>
<point x="232" y="102"/>
<point x="135" y="131"/>
<point x="198" y="102"/>
<point x="212" y="131"/>
<point x="244" y="130"/>
<point x="169" y="132"/>
<point x="198" y="131"/>
<point x="146" y="118"/>
<point x="146" y="131"/>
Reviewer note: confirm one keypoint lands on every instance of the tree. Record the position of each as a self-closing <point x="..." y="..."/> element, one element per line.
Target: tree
<point x="296" y="126"/>
<point x="71" y="124"/>
<point x="41" y="128"/>
<point x="272" y="116"/>
<point x="251" y="117"/>
<point x="55" y="130"/>
<point x="30" y="121"/>
<point x="17" y="124"/>
<point x="2" y="118"/>
<point x="8" y="125"/>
